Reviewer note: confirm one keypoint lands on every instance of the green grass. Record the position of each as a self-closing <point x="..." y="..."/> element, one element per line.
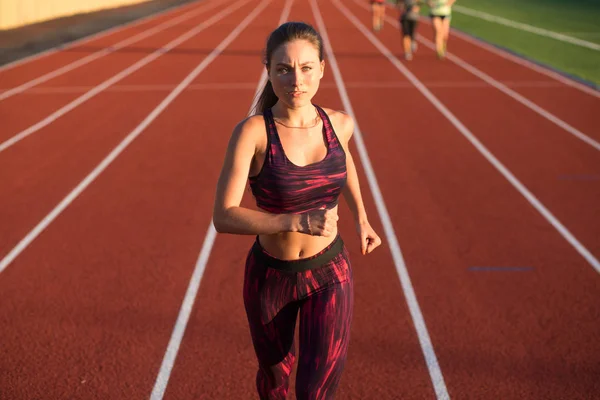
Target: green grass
<point x="576" y="18"/>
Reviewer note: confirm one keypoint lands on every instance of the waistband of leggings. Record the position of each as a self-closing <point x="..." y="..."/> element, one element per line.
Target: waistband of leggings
<point x="303" y="264"/>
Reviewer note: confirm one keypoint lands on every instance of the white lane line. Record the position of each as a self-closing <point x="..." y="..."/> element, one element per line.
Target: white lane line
<point x="431" y="360"/>
<point x="506" y="90"/>
<point x="525" y="27"/>
<point x="183" y="317"/>
<point x="65" y="202"/>
<point x="523" y="62"/>
<point x="105" y="51"/>
<point x="98" y="35"/>
<point x="565" y="233"/>
<point x="116" y="78"/>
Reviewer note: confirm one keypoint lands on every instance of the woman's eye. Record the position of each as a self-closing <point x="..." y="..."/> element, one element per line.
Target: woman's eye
<point x="282" y="70"/>
<point x="306" y="68"/>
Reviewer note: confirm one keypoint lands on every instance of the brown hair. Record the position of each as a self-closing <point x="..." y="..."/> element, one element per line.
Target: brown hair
<point x="283" y="34"/>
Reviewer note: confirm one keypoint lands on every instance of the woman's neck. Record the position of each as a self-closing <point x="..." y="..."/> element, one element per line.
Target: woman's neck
<point x="301" y="117"/>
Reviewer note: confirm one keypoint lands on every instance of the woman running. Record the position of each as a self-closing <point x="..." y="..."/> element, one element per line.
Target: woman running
<point x="378" y="14"/>
<point x="441" y="14"/>
<point x="409" y="18"/>
<point x="296" y="157"/>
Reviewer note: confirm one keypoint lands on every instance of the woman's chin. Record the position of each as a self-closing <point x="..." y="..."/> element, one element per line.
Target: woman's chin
<point x="297" y="101"/>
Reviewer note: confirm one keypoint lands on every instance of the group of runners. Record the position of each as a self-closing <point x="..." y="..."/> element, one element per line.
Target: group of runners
<point x="440" y="12"/>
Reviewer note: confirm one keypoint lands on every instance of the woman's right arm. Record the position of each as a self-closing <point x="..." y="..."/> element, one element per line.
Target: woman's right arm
<point x="228" y="216"/>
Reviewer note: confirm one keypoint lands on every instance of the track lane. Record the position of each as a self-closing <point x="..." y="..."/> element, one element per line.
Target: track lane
<point x="94" y="297"/>
<point x="493" y="331"/>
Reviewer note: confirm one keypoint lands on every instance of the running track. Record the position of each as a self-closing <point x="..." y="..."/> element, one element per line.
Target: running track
<point x="474" y="171"/>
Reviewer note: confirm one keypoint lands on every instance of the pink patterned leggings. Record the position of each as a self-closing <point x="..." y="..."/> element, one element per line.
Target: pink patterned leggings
<point x="320" y="290"/>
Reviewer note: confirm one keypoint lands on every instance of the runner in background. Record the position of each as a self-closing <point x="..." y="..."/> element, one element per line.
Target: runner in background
<point x="378" y="12"/>
<point x="441" y="14"/>
<point x="409" y="18"/>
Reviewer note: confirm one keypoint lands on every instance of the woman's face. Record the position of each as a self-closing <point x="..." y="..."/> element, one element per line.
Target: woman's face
<point x="295" y="72"/>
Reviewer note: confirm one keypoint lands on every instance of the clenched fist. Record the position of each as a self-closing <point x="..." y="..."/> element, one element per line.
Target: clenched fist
<point x="321" y="222"/>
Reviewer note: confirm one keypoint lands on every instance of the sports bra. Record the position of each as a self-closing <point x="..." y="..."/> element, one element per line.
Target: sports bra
<point x="283" y="187"/>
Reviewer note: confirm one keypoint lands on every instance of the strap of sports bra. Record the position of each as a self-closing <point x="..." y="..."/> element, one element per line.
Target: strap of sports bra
<point x="270" y="125"/>
<point x="327" y="126"/>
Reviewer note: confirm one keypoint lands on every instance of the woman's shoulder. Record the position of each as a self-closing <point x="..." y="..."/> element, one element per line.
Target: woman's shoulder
<point x="343" y="124"/>
<point x="250" y="126"/>
<point x="252" y="122"/>
<point x="250" y="130"/>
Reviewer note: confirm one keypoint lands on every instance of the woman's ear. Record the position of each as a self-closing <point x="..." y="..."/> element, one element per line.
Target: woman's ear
<point x="322" y="68"/>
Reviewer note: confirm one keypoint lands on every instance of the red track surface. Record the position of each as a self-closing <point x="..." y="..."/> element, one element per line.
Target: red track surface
<point x="88" y="308"/>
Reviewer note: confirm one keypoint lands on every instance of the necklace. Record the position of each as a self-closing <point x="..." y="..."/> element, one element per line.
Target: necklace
<point x="316" y="120"/>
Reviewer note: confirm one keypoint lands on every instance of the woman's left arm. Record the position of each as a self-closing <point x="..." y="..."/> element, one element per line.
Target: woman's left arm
<point x="369" y="240"/>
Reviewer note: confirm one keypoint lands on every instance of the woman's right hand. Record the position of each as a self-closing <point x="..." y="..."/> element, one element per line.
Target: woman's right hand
<point x="321" y="222"/>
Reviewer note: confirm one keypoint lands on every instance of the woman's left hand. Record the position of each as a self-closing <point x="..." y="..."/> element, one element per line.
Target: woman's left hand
<point x="369" y="240"/>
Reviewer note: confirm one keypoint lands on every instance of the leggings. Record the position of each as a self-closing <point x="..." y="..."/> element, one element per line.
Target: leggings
<point x="320" y="290"/>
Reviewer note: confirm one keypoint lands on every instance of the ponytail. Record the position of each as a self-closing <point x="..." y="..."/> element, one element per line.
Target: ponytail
<point x="266" y="100"/>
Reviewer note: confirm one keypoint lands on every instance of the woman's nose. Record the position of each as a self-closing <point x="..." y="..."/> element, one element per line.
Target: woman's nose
<point x="296" y="78"/>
